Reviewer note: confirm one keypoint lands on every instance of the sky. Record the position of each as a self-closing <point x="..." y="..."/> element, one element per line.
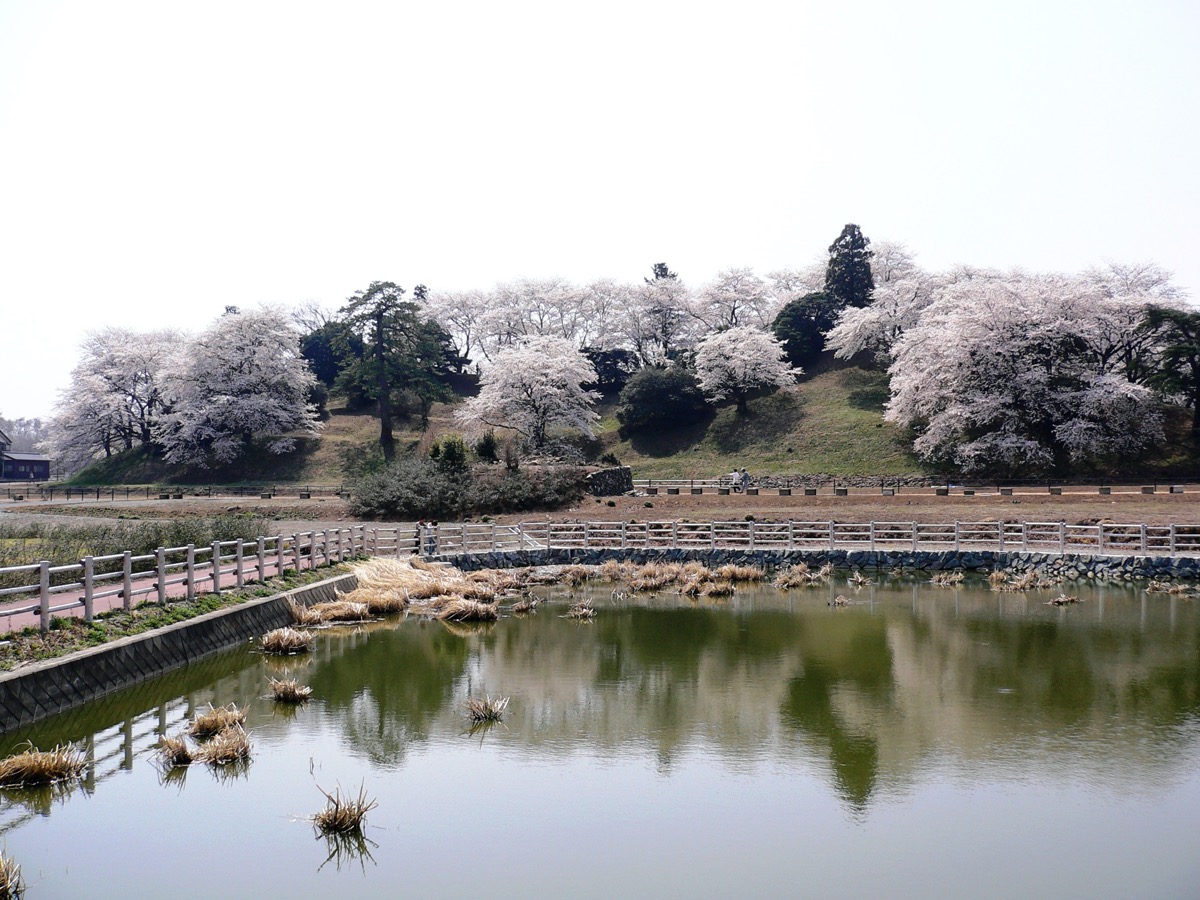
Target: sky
<point x="160" y="161"/>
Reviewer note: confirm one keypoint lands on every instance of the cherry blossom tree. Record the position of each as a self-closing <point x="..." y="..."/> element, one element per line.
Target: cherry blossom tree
<point x="998" y="376"/>
<point x="735" y="297"/>
<point x="533" y="387"/>
<point x="241" y="380"/>
<point x="739" y="362"/>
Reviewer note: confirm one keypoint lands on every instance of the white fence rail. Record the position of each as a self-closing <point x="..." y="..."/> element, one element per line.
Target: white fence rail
<point x="126" y="579"/>
<point x="1052" y="537"/>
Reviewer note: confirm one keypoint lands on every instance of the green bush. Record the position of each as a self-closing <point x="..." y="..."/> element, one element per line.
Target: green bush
<point x="487" y="448"/>
<point x="656" y="399"/>
<point x="450" y="454"/>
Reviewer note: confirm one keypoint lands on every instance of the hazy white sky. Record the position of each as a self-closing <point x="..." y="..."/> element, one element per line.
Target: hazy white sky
<point x="160" y="160"/>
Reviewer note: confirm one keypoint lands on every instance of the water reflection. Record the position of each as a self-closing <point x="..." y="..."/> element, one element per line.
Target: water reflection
<point x="867" y="696"/>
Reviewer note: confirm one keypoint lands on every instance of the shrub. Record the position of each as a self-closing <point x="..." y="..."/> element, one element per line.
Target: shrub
<point x="450" y="454"/>
<point x="410" y="489"/>
<point x="516" y="492"/>
<point x="487" y="448"/>
<point x="657" y="399"/>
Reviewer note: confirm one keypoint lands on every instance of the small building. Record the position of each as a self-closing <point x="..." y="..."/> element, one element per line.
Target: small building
<point x="16" y="466"/>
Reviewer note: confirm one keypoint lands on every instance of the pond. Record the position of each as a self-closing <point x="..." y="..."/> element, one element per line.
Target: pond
<point x="920" y="741"/>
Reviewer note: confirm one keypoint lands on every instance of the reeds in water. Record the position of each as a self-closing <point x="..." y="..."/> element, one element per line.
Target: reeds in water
<point x="461" y="610"/>
<point x="343" y="815"/>
<point x="947" y="579"/>
<point x="285" y="641"/>
<point x="340" y="610"/>
<point x="487" y="709"/>
<point x="11" y="884"/>
<point x="216" y="720"/>
<point x="525" y="605"/>
<point x="839" y="600"/>
<point x="582" y="610"/>
<point x="794" y="576"/>
<point x="573" y="576"/>
<point x="731" y="572"/>
<point x="174" y="751"/>
<point x="229" y="746"/>
<point x="1061" y="600"/>
<point x="289" y="690"/>
<point x="32" y="767"/>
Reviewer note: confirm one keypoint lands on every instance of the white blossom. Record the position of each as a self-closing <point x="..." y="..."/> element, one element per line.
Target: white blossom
<point x="733" y="364"/>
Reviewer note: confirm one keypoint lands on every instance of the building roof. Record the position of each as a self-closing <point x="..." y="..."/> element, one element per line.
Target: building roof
<point x="24" y="457"/>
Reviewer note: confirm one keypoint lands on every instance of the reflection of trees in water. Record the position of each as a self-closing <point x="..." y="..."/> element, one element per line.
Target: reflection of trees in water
<point x="386" y="691"/>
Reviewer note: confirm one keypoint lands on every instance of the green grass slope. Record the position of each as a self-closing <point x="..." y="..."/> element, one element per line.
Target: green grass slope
<point x="831" y="423"/>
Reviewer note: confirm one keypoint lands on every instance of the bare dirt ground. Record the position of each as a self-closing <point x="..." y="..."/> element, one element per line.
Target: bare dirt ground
<point x="1074" y="506"/>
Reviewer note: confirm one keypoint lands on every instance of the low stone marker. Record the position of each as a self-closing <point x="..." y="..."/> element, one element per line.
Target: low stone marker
<point x="1106" y="490"/>
<point x="164" y="496"/>
<point x="1056" y="491"/>
<point x="652" y="491"/>
<point x="697" y="490"/>
<point x="968" y="493"/>
<point x="305" y="495"/>
<point x="265" y="495"/>
<point x="1147" y="489"/>
<point x="840" y="492"/>
<point x="942" y="492"/>
<point x="785" y="492"/>
<point x="888" y="492"/>
<point x="1005" y="492"/>
<point x="810" y="492"/>
<point x="1177" y="489"/>
<point x="751" y="492"/>
<point x="672" y="490"/>
<point x="723" y="492"/>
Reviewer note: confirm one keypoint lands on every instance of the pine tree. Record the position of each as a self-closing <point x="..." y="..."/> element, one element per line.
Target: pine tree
<point x="848" y="276"/>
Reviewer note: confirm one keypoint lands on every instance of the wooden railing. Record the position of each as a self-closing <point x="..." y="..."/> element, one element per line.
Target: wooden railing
<point x="1053" y="537"/>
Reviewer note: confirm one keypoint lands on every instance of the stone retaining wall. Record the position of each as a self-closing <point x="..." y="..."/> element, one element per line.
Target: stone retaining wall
<point x="1069" y="566"/>
<point x="55" y="685"/>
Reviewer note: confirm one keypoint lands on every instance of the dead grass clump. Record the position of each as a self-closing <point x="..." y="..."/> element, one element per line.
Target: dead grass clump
<point x="795" y="576"/>
<point x="858" y="579"/>
<point x="231" y="745"/>
<point x="303" y="615"/>
<point x="839" y="600"/>
<point x="947" y="579"/>
<point x="216" y="720"/>
<point x="287" y="640"/>
<point x="1061" y="600"/>
<point x="11" y="883"/>
<point x="289" y="690"/>
<point x="525" y="605"/>
<point x="997" y="578"/>
<point x="340" y="611"/>
<point x="32" y="767"/>
<point x="462" y="610"/>
<point x="731" y="572"/>
<point x="613" y="570"/>
<point x="582" y="610"/>
<point x="486" y="710"/>
<point x="378" y="601"/>
<point x="343" y="815"/>
<point x="717" y="589"/>
<point x="174" y="751"/>
<point x="573" y="576"/>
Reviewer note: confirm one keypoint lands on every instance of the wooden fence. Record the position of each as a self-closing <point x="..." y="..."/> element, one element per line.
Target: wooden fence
<point x="1053" y="537"/>
<point x="126" y="579"/>
<point x="788" y="486"/>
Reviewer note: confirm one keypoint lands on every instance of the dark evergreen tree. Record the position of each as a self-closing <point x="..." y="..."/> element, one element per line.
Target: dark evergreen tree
<point x="848" y="276"/>
<point x="661" y="399"/>
<point x="661" y="273"/>
<point x="1178" y="371"/>
<point x="801" y="326"/>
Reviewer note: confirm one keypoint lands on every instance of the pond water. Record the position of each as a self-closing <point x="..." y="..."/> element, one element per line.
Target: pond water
<point x="921" y="741"/>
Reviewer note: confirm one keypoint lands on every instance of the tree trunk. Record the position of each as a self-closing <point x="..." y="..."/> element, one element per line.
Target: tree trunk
<point x="743" y="406"/>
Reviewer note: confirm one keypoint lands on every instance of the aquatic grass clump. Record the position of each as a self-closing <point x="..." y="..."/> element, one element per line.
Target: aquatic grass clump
<point x="343" y="815"/>
<point x="461" y="610"/>
<point x="582" y="610"/>
<point x="732" y="572"/>
<point x="229" y="746"/>
<point x="217" y="719"/>
<point x="791" y="577"/>
<point x="487" y="709"/>
<point x="12" y="885"/>
<point x="525" y="605"/>
<point x="303" y="615"/>
<point x="32" y="767"/>
<point x="174" y="751"/>
<point x="340" y="610"/>
<point x="286" y="641"/>
<point x="289" y="690"/>
<point x="717" y="589"/>
<point x="573" y="576"/>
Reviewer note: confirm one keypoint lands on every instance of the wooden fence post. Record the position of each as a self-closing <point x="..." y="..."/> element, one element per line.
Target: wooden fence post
<point x="89" y="587"/>
<point x="160" y="556"/>
<point x="296" y="558"/>
<point x="279" y="554"/>
<point x="44" y="593"/>
<point x="831" y="536"/>
<point x="240" y="570"/>
<point x="957" y="538"/>
<point x="1144" y="539"/>
<point x="261" y="552"/>
<point x="127" y="580"/>
<point x="751" y="534"/>
<point x="914" y="537"/>
<point x="871" y="532"/>
<point x="191" y="571"/>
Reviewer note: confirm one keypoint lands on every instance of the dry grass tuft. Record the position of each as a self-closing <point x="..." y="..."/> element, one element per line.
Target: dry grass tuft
<point x="289" y="690"/>
<point x="460" y="610"/>
<point x="525" y="605"/>
<point x="732" y="572"/>
<point x="343" y="815"/>
<point x="1061" y="600"/>
<point x="947" y="579"/>
<point x="795" y="576"/>
<point x="216" y="720"/>
<point x="573" y="576"/>
<point x="717" y="589"/>
<point x="613" y="570"/>
<point x="839" y="600"/>
<point x="12" y="885"/>
<point x="229" y="746"/>
<point x="174" y="751"/>
<point x="340" y="610"/>
<point x="486" y="710"/>
<point x="286" y="641"/>
<point x="303" y="615"/>
<point x="582" y="610"/>
<point x="32" y="767"/>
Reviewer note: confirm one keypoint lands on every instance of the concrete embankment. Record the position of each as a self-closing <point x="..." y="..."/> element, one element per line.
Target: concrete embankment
<point x="55" y="685"/>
